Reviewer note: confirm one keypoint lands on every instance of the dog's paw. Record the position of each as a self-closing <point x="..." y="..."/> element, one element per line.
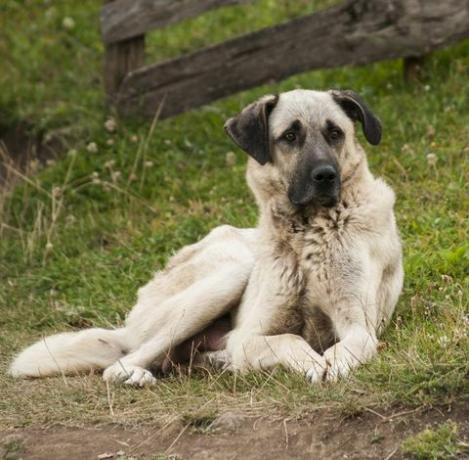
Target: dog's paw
<point x="314" y="375"/>
<point x="130" y="375"/>
<point x="337" y="370"/>
<point x="141" y="378"/>
<point x="338" y="365"/>
<point x="317" y="372"/>
<point x="219" y="360"/>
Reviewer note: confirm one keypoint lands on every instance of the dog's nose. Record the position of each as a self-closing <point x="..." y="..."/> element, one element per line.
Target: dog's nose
<point x="324" y="175"/>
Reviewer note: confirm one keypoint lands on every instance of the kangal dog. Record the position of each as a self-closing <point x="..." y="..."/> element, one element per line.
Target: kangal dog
<point x="310" y="288"/>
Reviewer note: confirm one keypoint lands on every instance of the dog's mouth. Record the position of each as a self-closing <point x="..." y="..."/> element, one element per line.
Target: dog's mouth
<point x="312" y="198"/>
<point x="328" y="201"/>
<point x="324" y="201"/>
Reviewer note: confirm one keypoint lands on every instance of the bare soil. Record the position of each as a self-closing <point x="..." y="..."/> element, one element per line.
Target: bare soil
<point x="367" y="435"/>
<point x="21" y="145"/>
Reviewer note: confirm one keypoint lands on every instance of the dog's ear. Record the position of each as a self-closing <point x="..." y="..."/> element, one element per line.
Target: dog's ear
<point x="354" y="106"/>
<point x="250" y="129"/>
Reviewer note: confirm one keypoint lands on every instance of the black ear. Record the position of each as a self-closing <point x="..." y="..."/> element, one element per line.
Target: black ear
<point x="354" y="106"/>
<point x="250" y="129"/>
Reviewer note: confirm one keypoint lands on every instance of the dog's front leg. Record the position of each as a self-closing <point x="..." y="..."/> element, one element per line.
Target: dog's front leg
<point x="265" y="352"/>
<point x="272" y="292"/>
<point x="357" y="342"/>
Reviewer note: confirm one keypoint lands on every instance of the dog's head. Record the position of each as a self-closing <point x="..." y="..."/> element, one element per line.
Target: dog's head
<point x="308" y="137"/>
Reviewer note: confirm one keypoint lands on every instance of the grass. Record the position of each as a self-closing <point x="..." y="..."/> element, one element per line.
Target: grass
<point x="79" y="237"/>
<point x="434" y="444"/>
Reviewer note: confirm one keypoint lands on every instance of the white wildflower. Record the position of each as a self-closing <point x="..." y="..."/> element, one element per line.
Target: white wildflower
<point x="110" y="142"/>
<point x="68" y="23"/>
<point x="406" y="148"/>
<point x="56" y="192"/>
<point x="431" y="131"/>
<point x="110" y="125"/>
<point x="230" y="159"/>
<point x="148" y="164"/>
<point x="33" y="165"/>
<point x="95" y="178"/>
<point x="443" y="340"/>
<point x="92" y="147"/>
<point x="431" y="159"/>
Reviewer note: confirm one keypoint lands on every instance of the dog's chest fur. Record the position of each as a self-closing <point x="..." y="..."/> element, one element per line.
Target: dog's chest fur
<point x="320" y="243"/>
<point x="323" y="236"/>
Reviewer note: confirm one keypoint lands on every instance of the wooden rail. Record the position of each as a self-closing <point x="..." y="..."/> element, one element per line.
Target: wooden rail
<point x="124" y="19"/>
<point x="352" y="33"/>
<point x="123" y="27"/>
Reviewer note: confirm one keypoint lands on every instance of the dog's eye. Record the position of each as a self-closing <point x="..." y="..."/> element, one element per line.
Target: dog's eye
<point x="334" y="134"/>
<point x="290" y="136"/>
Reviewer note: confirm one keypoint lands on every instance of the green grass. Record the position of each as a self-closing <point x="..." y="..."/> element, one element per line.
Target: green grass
<point x="434" y="444"/>
<point x="78" y="238"/>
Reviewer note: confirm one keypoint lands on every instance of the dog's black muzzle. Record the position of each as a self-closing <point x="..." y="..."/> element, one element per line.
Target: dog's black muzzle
<point x="319" y="184"/>
<point x="326" y="182"/>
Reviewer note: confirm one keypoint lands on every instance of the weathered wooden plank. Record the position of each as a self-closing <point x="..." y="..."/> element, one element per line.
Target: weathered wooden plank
<point x="124" y="19"/>
<point x="120" y="58"/>
<point x="357" y="32"/>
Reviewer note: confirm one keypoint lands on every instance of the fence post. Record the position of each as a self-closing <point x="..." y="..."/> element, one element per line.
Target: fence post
<point x="413" y="68"/>
<point x="119" y="59"/>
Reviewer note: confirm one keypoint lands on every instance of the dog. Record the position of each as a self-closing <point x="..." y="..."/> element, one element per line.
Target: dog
<point x="310" y="288"/>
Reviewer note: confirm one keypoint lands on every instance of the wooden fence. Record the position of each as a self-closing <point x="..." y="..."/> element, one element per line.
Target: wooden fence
<point x="354" y="32"/>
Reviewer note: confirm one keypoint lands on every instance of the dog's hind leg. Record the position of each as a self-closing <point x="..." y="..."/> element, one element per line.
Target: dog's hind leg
<point x="180" y="317"/>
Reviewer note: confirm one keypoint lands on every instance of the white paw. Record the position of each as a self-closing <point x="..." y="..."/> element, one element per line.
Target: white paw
<point x="217" y="359"/>
<point x="141" y="378"/>
<point x="337" y="370"/>
<point x="339" y="365"/>
<point x="316" y="372"/>
<point x="130" y="375"/>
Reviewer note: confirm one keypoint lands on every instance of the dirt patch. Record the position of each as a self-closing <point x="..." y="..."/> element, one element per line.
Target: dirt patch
<point x="24" y="149"/>
<point x="320" y="436"/>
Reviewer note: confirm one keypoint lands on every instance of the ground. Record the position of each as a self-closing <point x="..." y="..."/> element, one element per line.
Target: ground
<point x="322" y="434"/>
<point x="81" y="230"/>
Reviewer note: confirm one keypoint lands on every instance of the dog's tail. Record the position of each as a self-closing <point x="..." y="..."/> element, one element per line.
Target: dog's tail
<point x="71" y="352"/>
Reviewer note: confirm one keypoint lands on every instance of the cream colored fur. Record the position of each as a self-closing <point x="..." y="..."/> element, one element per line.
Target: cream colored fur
<point x="291" y="284"/>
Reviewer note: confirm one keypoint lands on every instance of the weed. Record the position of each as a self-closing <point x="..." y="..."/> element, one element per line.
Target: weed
<point x="433" y="444"/>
